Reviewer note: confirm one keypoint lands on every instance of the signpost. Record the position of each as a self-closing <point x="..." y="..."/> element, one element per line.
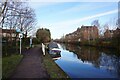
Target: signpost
<point x="30" y="41"/>
<point x="20" y="36"/>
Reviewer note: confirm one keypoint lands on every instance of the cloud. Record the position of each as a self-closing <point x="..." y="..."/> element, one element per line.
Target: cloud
<point x="37" y="5"/>
<point x="76" y="21"/>
<point x="72" y="0"/>
<point x="83" y="7"/>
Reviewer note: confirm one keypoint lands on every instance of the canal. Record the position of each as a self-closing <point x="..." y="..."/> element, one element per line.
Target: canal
<point x="88" y="62"/>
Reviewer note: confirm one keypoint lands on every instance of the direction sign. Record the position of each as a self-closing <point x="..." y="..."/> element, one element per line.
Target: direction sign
<point x="20" y="35"/>
<point x="18" y="30"/>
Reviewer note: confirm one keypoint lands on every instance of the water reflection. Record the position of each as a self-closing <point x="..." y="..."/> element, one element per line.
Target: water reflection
<point x="86" y="54"/>
<point x="89" y="62"/>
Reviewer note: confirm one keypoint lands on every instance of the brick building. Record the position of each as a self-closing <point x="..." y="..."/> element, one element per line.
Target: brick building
<point x="89" y="33"/>
<point x="108" y="33"/>
<point x="73" y="37"/>
<point x="7" y="33"/>
<point x="117" y="32"/>
<point x="83" y="33"/>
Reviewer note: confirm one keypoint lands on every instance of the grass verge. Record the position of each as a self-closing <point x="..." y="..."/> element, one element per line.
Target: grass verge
<point x="52" y="68"/>
<point x="9" y="64"/>
<point x="0" y="67"/>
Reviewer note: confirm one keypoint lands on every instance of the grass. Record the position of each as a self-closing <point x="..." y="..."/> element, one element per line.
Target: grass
<point x="0" y="67"/>
<point x="52" y="68"/>
<point x="9" y="64"/>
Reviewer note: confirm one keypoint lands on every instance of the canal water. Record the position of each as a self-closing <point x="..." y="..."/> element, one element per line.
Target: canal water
<point x="89" y="62"/>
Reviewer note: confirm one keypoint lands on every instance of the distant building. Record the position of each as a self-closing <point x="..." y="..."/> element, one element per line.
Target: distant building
<point x="117" y="32"/>
<point x="73" y="37"/>
<point x="83" y="33"/>
<point x="108" y="33"/>
<point x="89" y="33"/>
<point x="7" y="33"/>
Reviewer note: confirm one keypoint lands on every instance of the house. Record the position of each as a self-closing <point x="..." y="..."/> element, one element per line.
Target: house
<point x="108" y="33"/>
<point x="82" y="34"/>
<point x="117" y="32"/>
<point x="89" y="32"/>
<point x="74" y="36"/>
<point x="9" y="34"/>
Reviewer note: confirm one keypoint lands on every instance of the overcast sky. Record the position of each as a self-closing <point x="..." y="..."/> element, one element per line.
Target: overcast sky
<point x="65" y="17"/>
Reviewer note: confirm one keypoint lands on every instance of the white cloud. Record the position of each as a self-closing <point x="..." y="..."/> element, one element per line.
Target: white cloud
<point x="65" y="0"/>
<point x="75" y="21"/>
<point x="83" y="7"/>
<point x="72" y="0"/>
<point x="38" y="5"/>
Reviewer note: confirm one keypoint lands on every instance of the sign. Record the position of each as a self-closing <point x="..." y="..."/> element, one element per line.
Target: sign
<point x="18" y="30"/>
<point x="20" y="35"/>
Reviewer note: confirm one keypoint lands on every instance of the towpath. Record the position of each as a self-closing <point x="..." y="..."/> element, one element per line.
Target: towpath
<point x="31" y="66"/>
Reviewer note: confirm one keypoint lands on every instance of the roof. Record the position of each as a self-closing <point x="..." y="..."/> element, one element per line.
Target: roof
<point x="111" y="31"/>
<point x="88" y="26"/>
<point x="8" y="31"/>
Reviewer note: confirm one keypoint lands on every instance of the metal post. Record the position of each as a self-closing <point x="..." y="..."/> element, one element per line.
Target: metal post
<point x="20" y="45"/>
<point x="30" y="42"/>
<point x="20" y="36"/>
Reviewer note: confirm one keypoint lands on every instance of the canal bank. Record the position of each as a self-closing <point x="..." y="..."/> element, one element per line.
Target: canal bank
<point x="98" y="43"/>
<point x="52" y="68"/>
<point x="87" y="62"/>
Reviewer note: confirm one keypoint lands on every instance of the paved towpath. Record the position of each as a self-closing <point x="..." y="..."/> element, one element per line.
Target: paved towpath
<point x="31" y="65"/>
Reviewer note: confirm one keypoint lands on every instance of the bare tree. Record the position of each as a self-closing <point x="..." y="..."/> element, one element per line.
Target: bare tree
<point x="3" y="11"/>
<point x="96" y="23"/>
<point x="118" y="23"/>
<point x="27" y="20"/>
<point x="19" y="15"/>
